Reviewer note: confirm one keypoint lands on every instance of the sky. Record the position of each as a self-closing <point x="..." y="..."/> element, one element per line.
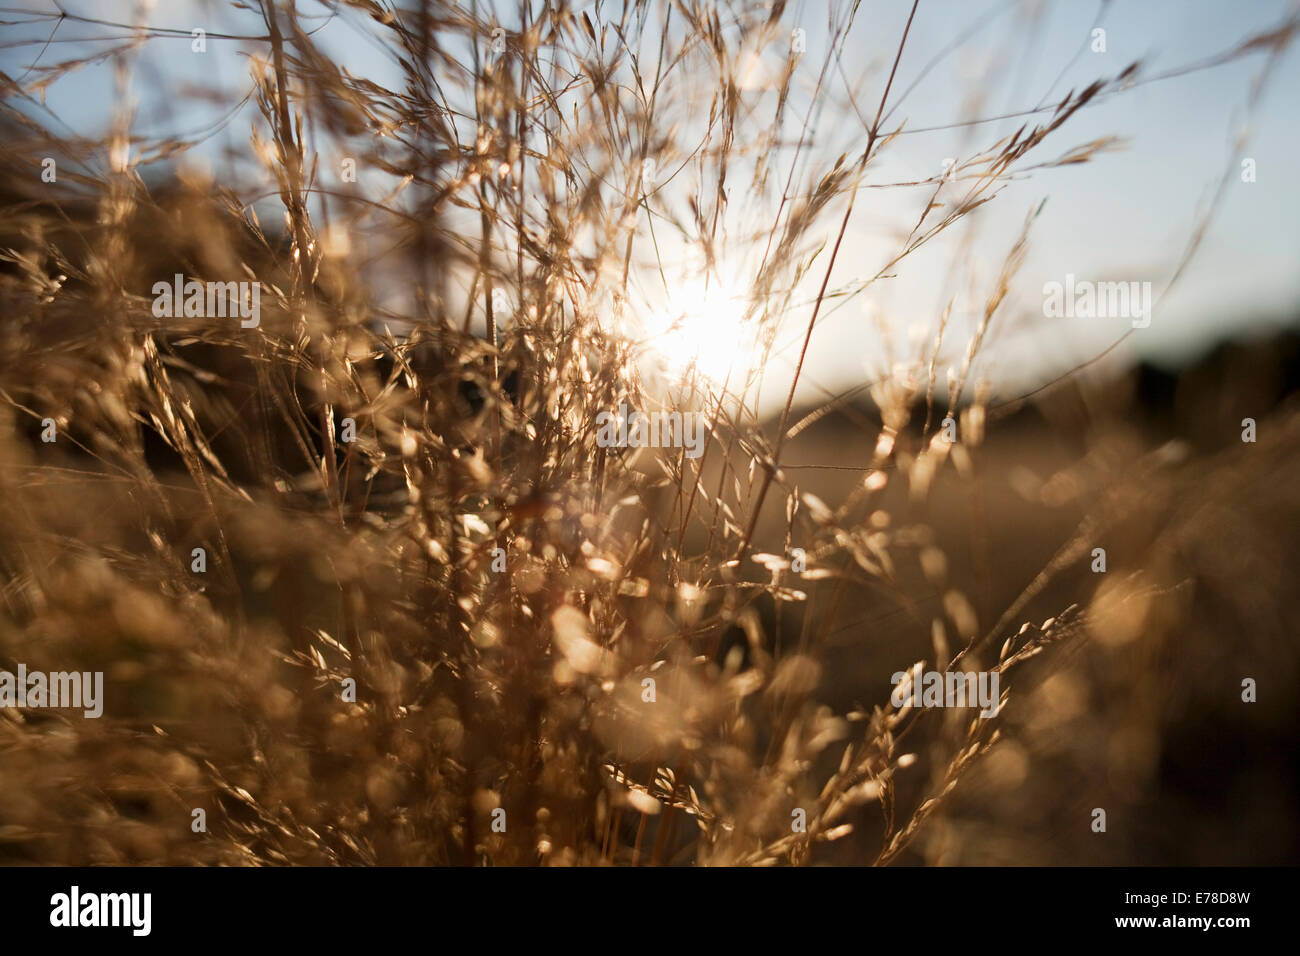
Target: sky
<point x="1127" y="215"/>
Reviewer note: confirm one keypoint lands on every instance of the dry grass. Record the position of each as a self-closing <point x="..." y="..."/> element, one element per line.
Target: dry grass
<point x="515" y="172"/>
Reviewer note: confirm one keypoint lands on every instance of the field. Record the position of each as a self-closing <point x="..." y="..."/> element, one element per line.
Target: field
<point x="370" y="578"/>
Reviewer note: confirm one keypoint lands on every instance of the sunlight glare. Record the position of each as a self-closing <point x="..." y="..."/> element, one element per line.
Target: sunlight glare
<point x="702" y="326"/>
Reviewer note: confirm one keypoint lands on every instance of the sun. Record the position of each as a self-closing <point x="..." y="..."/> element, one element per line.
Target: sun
<point x="701" y="326"/>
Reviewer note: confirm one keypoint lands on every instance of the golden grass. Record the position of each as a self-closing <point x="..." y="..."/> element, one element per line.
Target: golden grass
<point x="480" y="691"/>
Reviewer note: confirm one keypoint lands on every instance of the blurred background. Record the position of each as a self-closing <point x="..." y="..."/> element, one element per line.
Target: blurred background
<point x="1077" y="433"/>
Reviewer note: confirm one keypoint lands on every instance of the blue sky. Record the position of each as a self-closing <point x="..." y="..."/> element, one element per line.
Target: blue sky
<point x="1127" y="215"/>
